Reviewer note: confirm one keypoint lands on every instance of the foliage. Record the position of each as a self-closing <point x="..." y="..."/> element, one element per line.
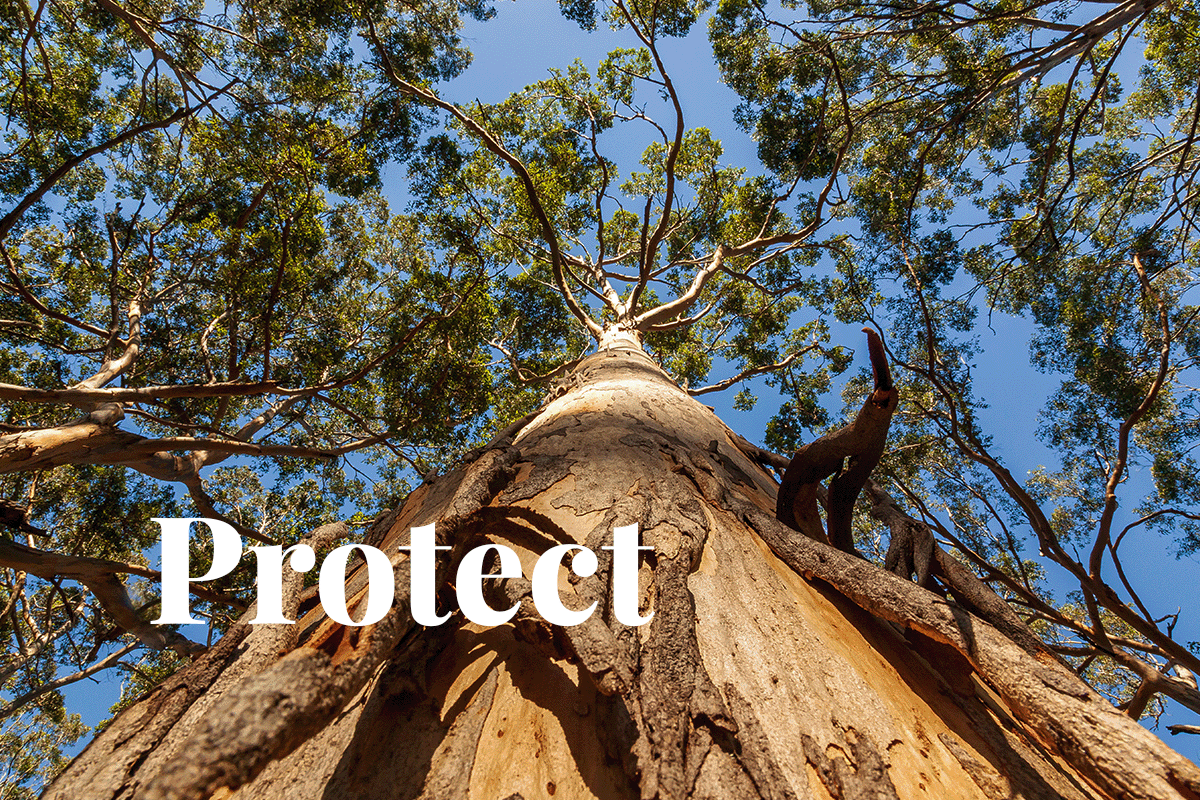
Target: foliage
<point x="32" y="744"/>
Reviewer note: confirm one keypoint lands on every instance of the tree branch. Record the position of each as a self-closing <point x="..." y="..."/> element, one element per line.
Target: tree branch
<point x="750" y="373"/>
<point x="493" y="145"/>
<point x="862" y="441"/>
<point x="99" y="576"/>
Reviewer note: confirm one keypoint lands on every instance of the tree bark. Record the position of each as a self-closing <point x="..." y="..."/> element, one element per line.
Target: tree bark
<point x="775" y="667"/>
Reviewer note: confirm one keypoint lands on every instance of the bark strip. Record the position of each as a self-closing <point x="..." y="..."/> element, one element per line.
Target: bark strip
<point x="1063" y="711"/>
<point x="862" y="442"/>
<point x="914" y="549"/>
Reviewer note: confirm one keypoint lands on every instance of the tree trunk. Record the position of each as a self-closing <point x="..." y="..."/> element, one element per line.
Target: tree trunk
<point x="774" y="666"/>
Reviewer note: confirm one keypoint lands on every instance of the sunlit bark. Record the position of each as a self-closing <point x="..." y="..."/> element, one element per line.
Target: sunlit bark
<point x="774" y="666"/>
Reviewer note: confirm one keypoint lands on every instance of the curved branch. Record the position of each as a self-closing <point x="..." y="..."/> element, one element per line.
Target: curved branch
<point x="862" y="441"/>
<point x="1117" y="474"/>
<point x="10" y="219"/>
<point x="99" y="576"/>
<point x="78" y="394"/>
<point x="655" y="238"/>
<point x="206" y="507"/>
<point x="970" y="592"/>
<point x="524" y="376"/>
<point x="112" y="368"/>
<point x="66" y="680"/>
<point x="515" y="164"/>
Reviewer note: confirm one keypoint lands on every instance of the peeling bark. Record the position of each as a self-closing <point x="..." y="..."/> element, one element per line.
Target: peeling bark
<point x="913" y="549"/>
<point x="853" y="771"/>
<point x="775" y="667"/>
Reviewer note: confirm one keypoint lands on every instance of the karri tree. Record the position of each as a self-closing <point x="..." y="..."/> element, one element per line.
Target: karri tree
<point x="211" y="309"/>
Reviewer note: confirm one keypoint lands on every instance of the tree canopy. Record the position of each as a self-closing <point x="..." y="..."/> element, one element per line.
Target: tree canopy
<point x="266" y="263"/>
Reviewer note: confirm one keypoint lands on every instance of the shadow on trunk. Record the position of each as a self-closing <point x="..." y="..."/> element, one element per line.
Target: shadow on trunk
<point x="775" y="666"/>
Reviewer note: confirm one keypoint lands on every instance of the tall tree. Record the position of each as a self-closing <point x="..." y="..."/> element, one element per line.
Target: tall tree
<point x="775" y="665"/>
